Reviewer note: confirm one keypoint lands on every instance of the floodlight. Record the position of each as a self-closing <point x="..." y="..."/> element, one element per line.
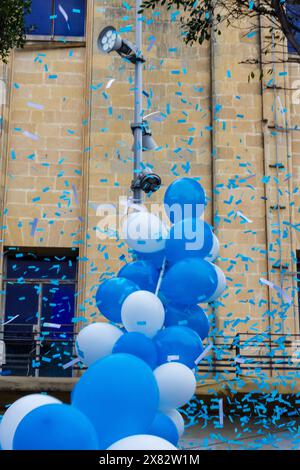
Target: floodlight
<point x="148" y="143"/>
<point x="109" y="40"/>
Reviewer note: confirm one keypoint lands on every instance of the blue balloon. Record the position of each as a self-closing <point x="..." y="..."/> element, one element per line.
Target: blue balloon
<point x="184" y="198"/>
<point x="142" y="273"/>
<point x="178" y="344"/>
<point x="138" y="345"/>
<point x="189" y="238"/>
<point x="156" y="259"/>
<point x="55" y="427"/>
<point x="189" y="282"/>
<point x="119" y="394"/>
<point x="192" y="316"/>
<point x="111" y="295"/>
<point x="164" y="427"/>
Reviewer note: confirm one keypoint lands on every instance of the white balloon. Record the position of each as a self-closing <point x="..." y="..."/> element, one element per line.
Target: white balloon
<point x="143" y="312"/>
<point x="221" y="285"/>
<point x="145" y="232"/>
<point x="176" y="383"/>
<point x="96" y="341"/>
<point x="142" y="442"/>
<point x="215" y="251"/>
<point x="177" y="419"/>
<point x="16" y="412"/>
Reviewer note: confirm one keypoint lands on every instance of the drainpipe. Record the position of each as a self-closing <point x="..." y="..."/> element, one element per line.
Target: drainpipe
<point x="289" y="151"/>
<point x="212" y="140"/>
<point x="286" y="129"/>
<point x="7" y="74"/>
<point x="266" y="171"/>
<point x="277" y="173"/>
<point x="5" y="94"/>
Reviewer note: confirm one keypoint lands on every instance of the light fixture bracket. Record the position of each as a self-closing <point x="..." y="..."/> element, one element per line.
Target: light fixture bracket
<point x="130" y="52"/>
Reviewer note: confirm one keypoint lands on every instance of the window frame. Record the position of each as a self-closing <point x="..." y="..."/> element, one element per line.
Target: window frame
<point x="52" y="38"/>
<point x="37" y="327"/>
<point x="292" y="53"/>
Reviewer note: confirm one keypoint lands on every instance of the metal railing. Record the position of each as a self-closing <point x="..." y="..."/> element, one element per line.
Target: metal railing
<point x="24" y="352"/>
<point x="248" y="354"/>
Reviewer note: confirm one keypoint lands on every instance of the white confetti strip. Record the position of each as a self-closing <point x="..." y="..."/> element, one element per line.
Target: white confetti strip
<point x="221" y="412"/>
<point x="35" y="105"/>
<point x="71" y="363"/>
<point x="204" y="353"/>
<point x="173" y="358"/>
<point x="63" y="12"/>
<point x="239" y="360"/>
<point x="109" y="83"/>
<point x="31" y="136"/>
<point x="278" y="289"/>
<point x="52" y="325"/>
<point x="10" y="320"/>
<point x="240" y="214"/>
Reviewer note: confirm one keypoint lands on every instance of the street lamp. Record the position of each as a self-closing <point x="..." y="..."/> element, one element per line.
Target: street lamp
<point x="110" y="40"/>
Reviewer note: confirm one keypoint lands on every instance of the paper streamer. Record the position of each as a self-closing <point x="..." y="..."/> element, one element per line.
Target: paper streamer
<point x="33" y="227"/>
<point x="10" y="320"/>
<point x="71" y="363"/>
<point x="40" y="107"/>
<point x="239" y="213"/>
<point x="109" y="83"/>
<point x="239" y="360"/>
<point x="278" y="289"/>
<point x="221" y="412"/>
<point x="63" y="12"/>
<point x="30" y="135"/>
<point x="173" y="358"/>
<point x="52" y="325"/>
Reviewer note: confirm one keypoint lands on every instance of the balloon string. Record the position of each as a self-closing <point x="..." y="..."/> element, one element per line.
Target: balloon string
<point x="162" y="272"/>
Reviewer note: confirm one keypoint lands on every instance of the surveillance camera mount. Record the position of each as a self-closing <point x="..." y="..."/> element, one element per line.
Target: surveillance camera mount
<point x="141" y="125"/>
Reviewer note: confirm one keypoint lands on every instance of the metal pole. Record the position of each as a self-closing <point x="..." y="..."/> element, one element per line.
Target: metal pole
<point x="138" y="104"/>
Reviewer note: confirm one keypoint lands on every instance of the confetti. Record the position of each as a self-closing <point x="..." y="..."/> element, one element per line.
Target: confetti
<point x="10" y="320"/>
<point x="109" y="83"/>
<point x="71" y="363"/>
<point x="30" y="135"/>
<point x="35" y="105"/>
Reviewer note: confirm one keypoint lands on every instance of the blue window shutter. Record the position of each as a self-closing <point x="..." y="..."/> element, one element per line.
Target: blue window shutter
<point x="70" y="18"/>
<point x="39" y="22"/>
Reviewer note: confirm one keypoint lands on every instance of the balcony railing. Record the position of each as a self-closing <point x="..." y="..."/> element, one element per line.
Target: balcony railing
<point x="248" y="354"/>
<point x="45" y="354"/>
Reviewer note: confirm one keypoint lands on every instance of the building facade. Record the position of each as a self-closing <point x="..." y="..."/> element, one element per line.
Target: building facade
<point x="66" y="148"/>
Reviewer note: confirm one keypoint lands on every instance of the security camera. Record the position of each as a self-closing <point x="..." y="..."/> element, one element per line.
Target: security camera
<point x="146" y="181"/>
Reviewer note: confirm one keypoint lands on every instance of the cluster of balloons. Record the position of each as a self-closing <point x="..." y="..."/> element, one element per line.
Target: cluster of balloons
<point x="141" y="364"/>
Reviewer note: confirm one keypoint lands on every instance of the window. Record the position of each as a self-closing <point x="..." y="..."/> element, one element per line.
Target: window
<point x="293" y="14"/>
<point x="298" y="284"/>
<point x="40" y="292"/>
<point x="56" y="19"/>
